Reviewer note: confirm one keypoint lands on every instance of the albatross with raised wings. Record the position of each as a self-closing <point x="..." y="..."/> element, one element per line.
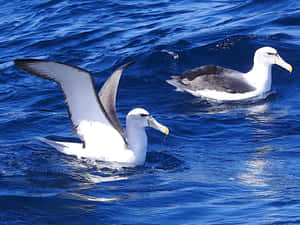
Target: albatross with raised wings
<point x="93" y="115"/>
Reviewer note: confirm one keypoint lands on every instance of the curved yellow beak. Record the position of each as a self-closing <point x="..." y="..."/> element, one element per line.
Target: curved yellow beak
<point x="167" y="131"/>
<point x="156" y="125"/>
<point x="280" y="62"/>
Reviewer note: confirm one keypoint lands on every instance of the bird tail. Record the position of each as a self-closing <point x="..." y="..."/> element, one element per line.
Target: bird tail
<point x="175" y="81"/>
<point x="68" y="148"/>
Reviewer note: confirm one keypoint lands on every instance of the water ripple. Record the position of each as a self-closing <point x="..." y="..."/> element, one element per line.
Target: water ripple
<point x="223" y="163"/>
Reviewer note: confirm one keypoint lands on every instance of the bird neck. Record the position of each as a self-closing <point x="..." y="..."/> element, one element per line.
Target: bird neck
<point x="260" y="76"/>
<point x="137" y="140"/>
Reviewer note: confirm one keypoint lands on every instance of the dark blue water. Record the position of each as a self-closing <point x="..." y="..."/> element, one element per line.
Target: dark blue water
<point x="221" y="164"/>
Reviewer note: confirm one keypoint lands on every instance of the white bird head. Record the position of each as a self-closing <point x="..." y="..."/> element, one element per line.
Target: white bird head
<point x="142" y="118"/>
<point x="270" y="56"/>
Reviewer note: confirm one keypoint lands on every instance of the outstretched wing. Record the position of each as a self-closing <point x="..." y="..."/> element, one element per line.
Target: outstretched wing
<point x="108" y="94"/>
<point x="78" y="87"/>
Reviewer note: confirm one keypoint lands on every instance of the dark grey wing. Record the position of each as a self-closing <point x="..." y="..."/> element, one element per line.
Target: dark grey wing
<point x="108" y="94"/>
<point x="203" y="70"/>
<point x="215" y="78"/>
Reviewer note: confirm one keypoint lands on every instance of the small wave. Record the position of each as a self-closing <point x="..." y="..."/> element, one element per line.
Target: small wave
<point x="24" y="193"/>
<point x="171" y="53"/>
<point x="84" y="197"/>
<point x="164" y="161"/>
<point x="6" y="65"/>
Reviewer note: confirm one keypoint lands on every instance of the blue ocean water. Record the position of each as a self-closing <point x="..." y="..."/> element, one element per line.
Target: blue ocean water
<point x="221" y="164"/>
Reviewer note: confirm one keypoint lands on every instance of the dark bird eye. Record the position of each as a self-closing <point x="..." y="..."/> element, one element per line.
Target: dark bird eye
<point x="144" y="115"/>
<point x="270" y="53"/>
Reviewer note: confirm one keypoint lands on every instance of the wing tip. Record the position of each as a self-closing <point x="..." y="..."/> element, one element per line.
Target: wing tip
<point x="24" y="63"/>
<point x="124" y="66"/>
<point x="20" y="62"/>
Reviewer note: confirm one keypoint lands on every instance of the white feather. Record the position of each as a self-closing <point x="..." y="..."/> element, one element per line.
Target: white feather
<point x="102" y="141"/>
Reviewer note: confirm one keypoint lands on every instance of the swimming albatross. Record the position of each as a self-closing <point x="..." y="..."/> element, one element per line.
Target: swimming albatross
<point x="222" y="84"/>
<point x="93" y="116"/>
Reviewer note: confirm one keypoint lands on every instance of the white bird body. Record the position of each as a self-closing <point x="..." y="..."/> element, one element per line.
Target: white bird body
<point x="222" y="84"/>
<point x="94" y="117"/>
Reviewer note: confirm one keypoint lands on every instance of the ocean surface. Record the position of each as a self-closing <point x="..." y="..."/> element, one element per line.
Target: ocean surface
<point x="223" y="163"/>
